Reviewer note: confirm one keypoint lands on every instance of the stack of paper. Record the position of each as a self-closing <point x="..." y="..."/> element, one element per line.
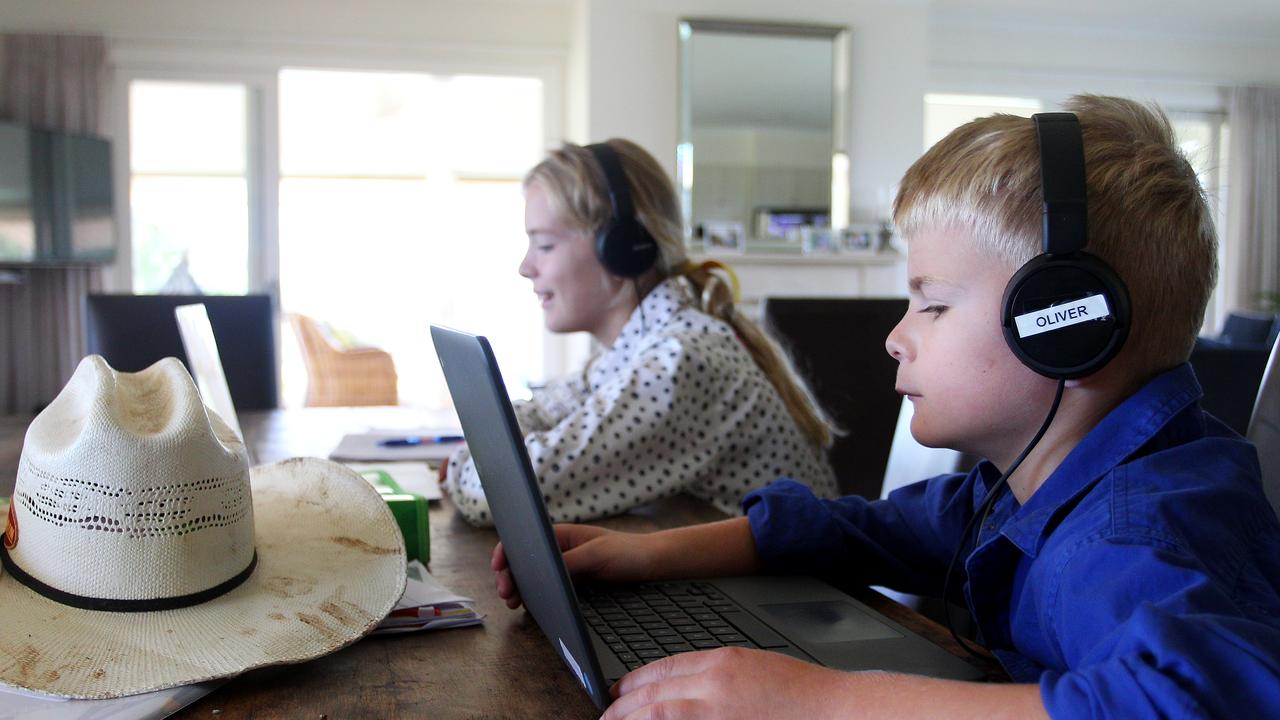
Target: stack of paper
<point x="15" y="703"/>
<point x="428" y="605"/>
<point x="407" y="477"/>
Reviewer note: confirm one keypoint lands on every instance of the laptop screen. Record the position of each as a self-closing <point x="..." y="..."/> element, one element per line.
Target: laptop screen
<point x="498" y="451"/>
<point x="206" y="363"/>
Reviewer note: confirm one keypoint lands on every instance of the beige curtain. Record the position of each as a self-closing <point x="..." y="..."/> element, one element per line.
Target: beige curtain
<point x="56" y="81"/>
<point x="1251" y="278"/>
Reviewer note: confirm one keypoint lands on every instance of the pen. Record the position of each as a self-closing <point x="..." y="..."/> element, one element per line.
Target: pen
<point x="413" y="440"/>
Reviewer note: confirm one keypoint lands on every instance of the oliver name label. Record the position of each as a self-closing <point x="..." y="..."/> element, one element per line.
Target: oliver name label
<point x="1067" y="314"/>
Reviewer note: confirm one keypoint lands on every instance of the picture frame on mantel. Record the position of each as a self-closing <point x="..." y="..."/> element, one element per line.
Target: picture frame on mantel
<point x="723" y="237"/>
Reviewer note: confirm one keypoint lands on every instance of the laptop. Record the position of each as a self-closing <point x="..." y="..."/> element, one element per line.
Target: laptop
<point x="205" y="362"/>
<point x="603" y="632"/>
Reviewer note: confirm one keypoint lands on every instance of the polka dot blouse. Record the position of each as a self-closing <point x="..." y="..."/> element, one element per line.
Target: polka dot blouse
<point x="676" y="405"/>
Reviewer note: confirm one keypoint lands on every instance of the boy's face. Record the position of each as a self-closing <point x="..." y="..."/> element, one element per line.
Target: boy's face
<point x="969" y="390"/>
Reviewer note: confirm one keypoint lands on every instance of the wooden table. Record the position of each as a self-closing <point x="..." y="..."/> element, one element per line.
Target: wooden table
<point x="502" y="669"/>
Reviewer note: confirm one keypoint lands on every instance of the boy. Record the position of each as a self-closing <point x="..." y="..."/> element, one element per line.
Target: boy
<point x="1131" y="567"/>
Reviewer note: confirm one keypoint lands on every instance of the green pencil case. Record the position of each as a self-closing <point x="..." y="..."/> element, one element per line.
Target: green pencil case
<point x="410" y="512"/>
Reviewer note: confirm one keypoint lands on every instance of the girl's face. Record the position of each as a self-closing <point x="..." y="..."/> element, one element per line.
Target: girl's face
<point x="576" y="292"/>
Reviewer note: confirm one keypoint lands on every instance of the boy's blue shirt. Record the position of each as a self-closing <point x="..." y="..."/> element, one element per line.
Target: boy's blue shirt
<point x="1142" y="579"/>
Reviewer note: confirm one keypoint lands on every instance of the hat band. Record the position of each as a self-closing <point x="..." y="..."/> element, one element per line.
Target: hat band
<point x="85" y="602"/>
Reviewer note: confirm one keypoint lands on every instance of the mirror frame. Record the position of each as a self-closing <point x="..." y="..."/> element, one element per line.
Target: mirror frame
<point x="839" y="36"/>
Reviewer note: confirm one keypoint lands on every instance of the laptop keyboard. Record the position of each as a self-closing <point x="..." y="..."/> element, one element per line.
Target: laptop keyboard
<point x="641" y="623"/>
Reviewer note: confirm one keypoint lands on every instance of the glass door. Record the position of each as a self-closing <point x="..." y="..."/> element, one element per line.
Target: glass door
<point x="189" y="186"/>
<point x="400" y="207"/>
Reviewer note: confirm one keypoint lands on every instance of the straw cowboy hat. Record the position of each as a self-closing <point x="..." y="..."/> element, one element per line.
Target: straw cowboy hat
<point x="141" y="552"/>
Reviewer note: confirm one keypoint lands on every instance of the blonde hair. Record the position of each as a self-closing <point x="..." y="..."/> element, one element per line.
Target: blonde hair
<point x="577" y="187"/>
<point x="1148" y="217"/>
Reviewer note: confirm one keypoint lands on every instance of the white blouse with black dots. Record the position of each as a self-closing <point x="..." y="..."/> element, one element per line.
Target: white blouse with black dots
<point x="677" y="404"/>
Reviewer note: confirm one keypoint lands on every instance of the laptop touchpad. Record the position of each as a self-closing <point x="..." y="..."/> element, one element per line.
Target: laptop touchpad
<point x="826" y="622"/>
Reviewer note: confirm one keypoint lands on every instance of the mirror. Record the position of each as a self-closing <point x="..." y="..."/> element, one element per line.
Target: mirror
<point x="762" y="133"/>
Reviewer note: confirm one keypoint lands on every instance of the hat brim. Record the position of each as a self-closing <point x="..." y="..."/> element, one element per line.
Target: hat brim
<point x="331" y="565"/>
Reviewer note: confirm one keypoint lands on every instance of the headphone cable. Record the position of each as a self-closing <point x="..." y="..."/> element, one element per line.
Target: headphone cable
<point x="980" y="515"/>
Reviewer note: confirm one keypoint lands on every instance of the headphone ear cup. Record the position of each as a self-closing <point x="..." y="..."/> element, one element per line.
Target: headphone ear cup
<point x="625" y="248"/>
<point x="1054" y="318"/>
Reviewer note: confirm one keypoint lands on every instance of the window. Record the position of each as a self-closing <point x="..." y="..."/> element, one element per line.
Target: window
<point x="1203" y="138"/>
<point x="401" y="207"/>
<point x="188" y="186"/>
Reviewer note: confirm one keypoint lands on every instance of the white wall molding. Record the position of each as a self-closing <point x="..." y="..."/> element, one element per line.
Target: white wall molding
<point x="202" y="54"/>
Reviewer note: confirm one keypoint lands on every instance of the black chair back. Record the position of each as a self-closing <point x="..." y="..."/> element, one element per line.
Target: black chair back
<point x="1249" y="328"/>
<point x="134" y="331"/>
<point x="837" y="346"/>
<point x="1230" y="377"/>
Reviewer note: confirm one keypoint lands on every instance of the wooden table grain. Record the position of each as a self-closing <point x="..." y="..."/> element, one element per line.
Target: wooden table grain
<point x="503" y="668"/>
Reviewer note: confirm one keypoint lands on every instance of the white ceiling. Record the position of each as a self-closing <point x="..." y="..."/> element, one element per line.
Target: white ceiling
<point x="1239" y="18"/>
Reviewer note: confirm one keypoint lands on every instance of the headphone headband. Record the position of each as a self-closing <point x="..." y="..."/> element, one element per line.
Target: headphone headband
<point x="623" y="245"/>
<point x="615" y="181"/>
<point x="1065" y="312"/>
<point x="1062" y="182"/>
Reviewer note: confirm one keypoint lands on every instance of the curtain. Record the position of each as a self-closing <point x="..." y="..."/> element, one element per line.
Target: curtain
<point x="56" y="81"/>
<point x="1251" y="278"/>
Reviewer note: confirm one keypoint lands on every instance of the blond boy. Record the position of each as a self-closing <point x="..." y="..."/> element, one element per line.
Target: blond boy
<point x="1131" y="568"/>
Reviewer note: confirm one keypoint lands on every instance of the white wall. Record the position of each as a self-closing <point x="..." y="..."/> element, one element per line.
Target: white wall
<point x="631" y="68"/>
<point x="1179" y="70"/>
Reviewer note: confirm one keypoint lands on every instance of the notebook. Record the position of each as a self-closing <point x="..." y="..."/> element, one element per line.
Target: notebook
<point x="604" y="632"/>
<point x="436" y="445"/>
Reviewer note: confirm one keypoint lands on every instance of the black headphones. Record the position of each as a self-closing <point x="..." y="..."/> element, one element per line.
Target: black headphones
<point x="623" y="245"/>
<point x="1066" y="313"/>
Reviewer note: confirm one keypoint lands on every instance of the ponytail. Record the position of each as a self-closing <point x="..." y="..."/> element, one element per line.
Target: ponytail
<point x="717" y="298"/>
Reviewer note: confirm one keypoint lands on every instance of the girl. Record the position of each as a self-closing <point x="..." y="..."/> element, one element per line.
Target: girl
<point x="686" y="394"/>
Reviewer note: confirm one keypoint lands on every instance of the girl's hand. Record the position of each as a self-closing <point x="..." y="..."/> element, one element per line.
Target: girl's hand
<point x="589" y="552"/>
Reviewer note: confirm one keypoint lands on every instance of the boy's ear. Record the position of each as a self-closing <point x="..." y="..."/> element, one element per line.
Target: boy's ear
<point x="1065" y="316"/>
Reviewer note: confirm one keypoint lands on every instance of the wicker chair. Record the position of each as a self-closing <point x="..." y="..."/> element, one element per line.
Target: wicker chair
<point x="343" y="376"/>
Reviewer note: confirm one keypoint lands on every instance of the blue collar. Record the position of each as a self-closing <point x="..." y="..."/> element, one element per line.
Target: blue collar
<point x="1124" y="430"/>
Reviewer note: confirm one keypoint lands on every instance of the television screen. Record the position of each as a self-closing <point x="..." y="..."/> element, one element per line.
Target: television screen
<point x="83" y="199"/>
<point x="56" y="198"/>
<point x="17" y="220"/>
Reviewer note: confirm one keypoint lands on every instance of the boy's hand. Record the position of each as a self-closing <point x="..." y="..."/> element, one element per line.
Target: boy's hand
<point x="732" y="683"/>
<point x="741" y="684"/>
<point x="589" y="552"/>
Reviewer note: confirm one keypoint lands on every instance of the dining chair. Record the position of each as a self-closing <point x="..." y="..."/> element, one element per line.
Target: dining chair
<point x="837" y="347"/>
